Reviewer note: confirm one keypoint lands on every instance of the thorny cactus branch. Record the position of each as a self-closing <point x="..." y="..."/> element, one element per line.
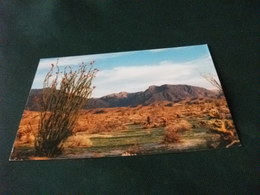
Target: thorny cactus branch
<point x="210" y="78"/>
<point x="64" y="94"/>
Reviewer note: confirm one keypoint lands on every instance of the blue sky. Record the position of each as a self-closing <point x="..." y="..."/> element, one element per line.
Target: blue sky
<point x="137" y="70"/>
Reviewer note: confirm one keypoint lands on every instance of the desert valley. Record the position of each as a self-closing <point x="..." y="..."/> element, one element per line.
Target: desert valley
<point x="161" y="119"/>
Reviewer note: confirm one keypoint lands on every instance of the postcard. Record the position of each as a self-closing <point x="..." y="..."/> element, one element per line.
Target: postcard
<point x="125" y="104"/>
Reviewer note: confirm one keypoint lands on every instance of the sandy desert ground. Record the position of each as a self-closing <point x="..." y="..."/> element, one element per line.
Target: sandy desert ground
<point x="121" y="131"/>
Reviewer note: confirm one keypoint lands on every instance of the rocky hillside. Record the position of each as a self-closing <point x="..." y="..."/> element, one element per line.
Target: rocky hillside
<point x="172" y="93"/>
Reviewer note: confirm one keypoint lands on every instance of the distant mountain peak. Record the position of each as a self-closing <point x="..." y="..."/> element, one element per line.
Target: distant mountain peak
<point x="122" y="94"/>
<point x="153" y="94"/>
<point x="152" y="86"/>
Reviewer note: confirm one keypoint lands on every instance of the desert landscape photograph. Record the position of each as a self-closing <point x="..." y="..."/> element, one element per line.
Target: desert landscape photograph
<point x="125" y="104"/>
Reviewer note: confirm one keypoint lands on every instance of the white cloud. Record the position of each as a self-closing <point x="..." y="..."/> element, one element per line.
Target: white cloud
<point x="45" y="64"/>
<point x="139" y="78"/>
<point x="136" y="78"/>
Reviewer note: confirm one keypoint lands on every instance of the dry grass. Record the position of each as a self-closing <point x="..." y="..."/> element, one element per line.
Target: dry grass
<point x="172" y="130"/>
<point x="28" y="128"/>
<point x="209" y="114"/>
<point x="77" y="141"/>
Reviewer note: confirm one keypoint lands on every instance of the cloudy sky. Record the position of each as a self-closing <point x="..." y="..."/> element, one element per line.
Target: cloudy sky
<point x="137" y="70"/>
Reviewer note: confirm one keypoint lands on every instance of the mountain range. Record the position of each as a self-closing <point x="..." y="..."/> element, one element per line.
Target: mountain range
<point x="171" y="93"/>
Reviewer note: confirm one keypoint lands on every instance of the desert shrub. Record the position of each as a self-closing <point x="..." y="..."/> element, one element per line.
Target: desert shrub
<point x="172" y="130"/>
<point x="169" y="104"/>
<point x="64" y="94"/>
<point x="24" y="135"/>
<point x="225" y="128"/>
<point x="171" y="135"/>
<point x="213" y="81"/>
<point x="77" y="141"/>
<point x="28" y="128"/>
<point x="99" y="111"/>
<point x="214" y="113"/>
<point x="222" y="126"/>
